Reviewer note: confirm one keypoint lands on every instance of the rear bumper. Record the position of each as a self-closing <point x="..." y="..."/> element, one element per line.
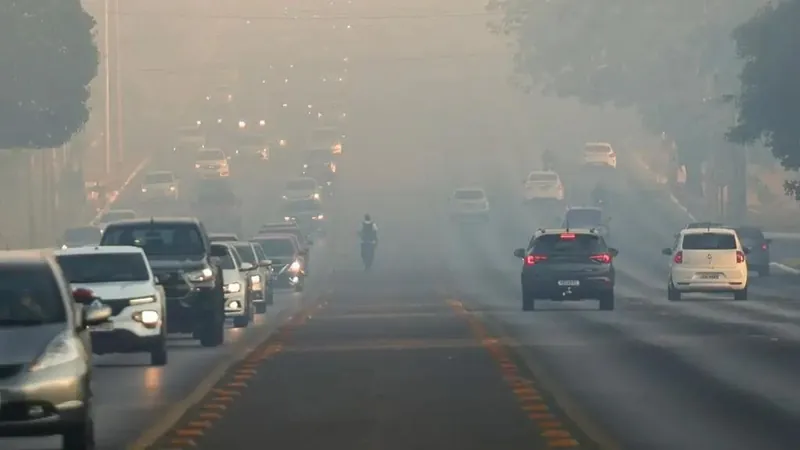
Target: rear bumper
<point x="549" y="288"/>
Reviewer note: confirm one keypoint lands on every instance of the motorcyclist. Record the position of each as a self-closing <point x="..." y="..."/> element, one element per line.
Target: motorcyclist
<point x="548" y="160"/>
<point x="599" y="194"/>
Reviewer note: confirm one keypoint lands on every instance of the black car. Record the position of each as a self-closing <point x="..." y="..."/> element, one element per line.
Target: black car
<point x="180" y="254"/>
<point x="567" y="265"/>
<point x="758" y="257"/>
<point x="307" y="214"/>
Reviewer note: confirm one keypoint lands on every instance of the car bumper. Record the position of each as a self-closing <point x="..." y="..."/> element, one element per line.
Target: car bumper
<point x="549" y="287"/>
<point x="689" y="281"/>
<point x="127" y="336"/>
<point x="235" y="305"/>
<point x="213" y="172"/>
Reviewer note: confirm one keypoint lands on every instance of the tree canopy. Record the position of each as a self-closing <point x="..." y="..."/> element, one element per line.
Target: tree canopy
<point x="669" y="60"/>
<point x="769" y="102"/>
<point x="49" y="57"/>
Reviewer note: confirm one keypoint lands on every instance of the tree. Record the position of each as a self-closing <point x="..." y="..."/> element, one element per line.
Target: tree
<point x="769" y="101"/>
<point x="669" y="60"/>
<point x="49" y="57"/>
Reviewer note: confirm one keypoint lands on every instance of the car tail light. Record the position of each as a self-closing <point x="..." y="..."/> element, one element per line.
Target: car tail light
<point x="764" y="246"/>
<point x="604" y="258"/>
<point x="533" y="259"/>
<point x="739" y="257"/>
<point x="678" y="258"/>
<point x="567" y="236"/>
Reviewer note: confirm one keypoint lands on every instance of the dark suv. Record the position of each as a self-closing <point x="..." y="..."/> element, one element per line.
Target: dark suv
<point x="567" y="265"/>
<point x="181" y="256"/>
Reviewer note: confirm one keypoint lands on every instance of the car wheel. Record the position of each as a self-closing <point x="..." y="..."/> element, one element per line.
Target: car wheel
<point x="80" y="436"/>
<point x="528" y="303"/>
<point x="270" y="297"/>
<point x="261" y="308"/>
<point x="673" y="294"/>
<point x="299" y="286"/>
<point x="241" y="321"/>
<point x="158" y="355"/>
<point x="740" y="295"/>
<point x="607" y="301"/>
<point x="213" y="328"/>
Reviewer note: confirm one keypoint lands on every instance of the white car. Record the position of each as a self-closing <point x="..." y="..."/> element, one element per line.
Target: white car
<point x="707" y="260"/>
<point x="115" y="215"/>
<point x="211" y="162"/>
<point x="235" y="274"/>
<point x="469" y="202"/>
<point x="599" y="154"/>
<point x="122" y="279"/>
<point x="327" y="137"/>
<point x="160" y="185"/>
<point x="543" y="185"/>
<point x="302" y="189"/>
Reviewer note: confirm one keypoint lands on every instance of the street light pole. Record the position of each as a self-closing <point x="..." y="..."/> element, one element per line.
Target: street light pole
<point x="118" y="83"/>
<point x="106" y="40"/>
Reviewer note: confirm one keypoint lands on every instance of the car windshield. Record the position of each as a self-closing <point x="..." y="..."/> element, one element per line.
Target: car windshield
<point x="158" y="178"/>
<point x="83" y="235"/>
<point x="303" y="206"/>
<point x="304" y="184"/>
<point x="543" y="177"/>
<point x="579" y="218"/>
<point x="29" y="296"/>
<point x="104" y="267"/>
<point x="210" y="155"/>
<point x="469" y="195"/>
<point x="246" y="252"/>
<point x="158" y="239"/>
<point x="277" y="246"/>
<point x="568" y="244"/>
<point x="225" y="262"/>
<point x="709" y="241"/>
<point x="600" y="149"/>
<point x="116" y="216"/>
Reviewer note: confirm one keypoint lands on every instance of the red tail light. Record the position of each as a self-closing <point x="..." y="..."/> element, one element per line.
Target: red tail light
<point x="739" y="257"/>
<point x="678" y="258"/>
<point x="764" y="246"/>
<point x="533" y="259"/>
<point x="567" y="236"/>
<point x="604" y="258"/>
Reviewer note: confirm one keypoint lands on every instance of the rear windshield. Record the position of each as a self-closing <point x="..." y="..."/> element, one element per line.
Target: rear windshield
<point x="157" y="178"/>
<point x="210" y="155"/>
<point x="709" y="241"/>
<point x="584" y="218"/>
<point x="568" y="244"/>
<point x="29" y="296"/>
<point x="277" y="246"/>
<point x="85" y="235"/>
<point x="301" y="184"/>
<point x="549" y="177"/>
<point x="104" y="268"/>
<point x="158" y="239"/>
<point x="469" y="195"/>
<point x="704" y="225"/>
<point x="246" y="252"/>
<point x="597" y="149"/>
<point x="116" y="216"/>
<point x="225" y="262"/>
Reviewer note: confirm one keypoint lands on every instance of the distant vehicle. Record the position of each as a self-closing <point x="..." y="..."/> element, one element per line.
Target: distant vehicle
<point x="306" y="213"/>
<point x="81" y="237"/>
<point x="707" y="260"/>
<point x="260" y="275"/>
<point x="543" y="185"/>
<point x="320" y="165"/>
<point x="589" y="217"/>
<point x="327" y="137"/>
<point x="115" y="215"/>
<point x="287" y="259"/>
<point x="160" y="185"/>
<point x="599" y="154"/>
<point x="47" y="351"/>
<point x="251" y="144"/>
<point x="190" y="139"/>
<point x="121" y="277"/>
<point x="758" y="258"/>
<point x="236" y="280"/>
<point x="211" y="162"/>
<point x="469" y="203"/>
<point x="302" y="189"/>
<point x="567" y="265"/>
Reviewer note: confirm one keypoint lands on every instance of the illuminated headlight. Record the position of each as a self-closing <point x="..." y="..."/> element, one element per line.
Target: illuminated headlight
<point x="319" y="217"/>
<point x="287" y="218"/>
<point x="142" y="300"/>
<point x="197" y="166"/>
<point x="255" y="282"/>
<point x="282" y="143"/>
<point x="316" y="196"/>
<point x="286" y="197"/>
<point x="295" y="267"/>
<point x="144" y="189"/>
<point x="233" y="288"/>
<point x="172" y="188"/>
<point x="219" y="120"/>
<point x="148" y="317"/>
<point x="242" y="124"/>
<point x="262" y="122"/>
<point x="305" y="166"/>
<point x="64" y="247"/>
<point x="199" y="123"/>
<point x="337" y="148"/>
<point x="201" y="275"/>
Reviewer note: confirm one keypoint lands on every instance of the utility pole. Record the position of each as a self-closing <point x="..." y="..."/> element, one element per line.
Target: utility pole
<point x="107" y="74"/>
<point x="118" y="83"/>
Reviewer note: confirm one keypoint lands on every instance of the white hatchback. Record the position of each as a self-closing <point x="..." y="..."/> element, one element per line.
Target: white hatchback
<point x="304" y="188"/>
<point x="707" y="260"/>
<point x="469" y="202"/>
<point x="599" y="154"/>
<point x="122" y="279"/>
<point x="543" y="185"/>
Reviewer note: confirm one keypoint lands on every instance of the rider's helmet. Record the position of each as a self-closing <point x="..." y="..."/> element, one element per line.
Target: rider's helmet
<point x="367" y="218"/>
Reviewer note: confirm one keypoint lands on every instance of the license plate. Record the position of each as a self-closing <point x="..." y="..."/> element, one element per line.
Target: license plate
<point x="569" y="283"/>
<point x="709" y="276"/>
<point x="106" y="326"/>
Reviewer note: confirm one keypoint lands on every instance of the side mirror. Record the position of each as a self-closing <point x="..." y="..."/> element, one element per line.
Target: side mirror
<point x="83" y="296"/>
<point x="157" y="280"/>
<point x="95" y="315"/>
<point x="613" y="252"/>
<point x="746" y="250"/>
<point x="666" y="251"/>
<point x="219" y="252"/>
<point x="519" y="253"/>
<point x="266" y="263"/>
<point x="246" y="267"/>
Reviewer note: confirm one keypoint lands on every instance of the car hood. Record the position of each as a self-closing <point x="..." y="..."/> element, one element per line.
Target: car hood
<point x="22" y="345"/>
<point x="118" y="290"/>
<point x="231" y="276"/>
<point x="161" y="263"/>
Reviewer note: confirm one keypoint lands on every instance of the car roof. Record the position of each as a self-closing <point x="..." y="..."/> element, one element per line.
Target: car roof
<point x="584" y="208"/>
<point x="542" y="172"/>
<point x="160" y="172"/>
<point x="26" y="257"/>
<point x="469" y="189"/>
<point x="597" y="144"/>
<point x="715" y="230"/>
<point x="157" y="221"/>
<point x="274" y="236"/>
<point x="100" y="249"/>
<point x="555" y="231"/>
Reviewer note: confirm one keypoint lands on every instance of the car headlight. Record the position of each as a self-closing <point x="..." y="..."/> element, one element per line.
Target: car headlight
<point x="64" y="247"/>
<point x="233" y="288"/>
<point x="255" y="278"/>
<point x="148" y="317"/>
<point x="319" y="217"/>
<point x="197" y="166"/>
<point x="172" y="188"/>
<point x="285" y="197"/>
<point x="282" y="143"/>
<point x="316" y="196"/>
<point x="295" y="267"/>
<point x="201" y="275"/>
<point x="305" y="166"/>
<point x="142" y="300"/>
<point x="63" y="349"/>
<point x="287" y="218"/>
<point x="144" y="189"/>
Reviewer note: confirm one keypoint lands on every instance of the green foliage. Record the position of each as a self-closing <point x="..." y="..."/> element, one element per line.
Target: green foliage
<point x="669" y="60"/>
<point x="49" y="57"/>
<point x="769" y="102"/>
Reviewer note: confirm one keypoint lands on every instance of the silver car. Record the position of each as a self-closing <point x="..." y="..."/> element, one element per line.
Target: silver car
<point x="45" y="350"/>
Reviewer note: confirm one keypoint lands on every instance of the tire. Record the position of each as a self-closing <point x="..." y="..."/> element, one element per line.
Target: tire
<point x="299" y="286"/>
<point x="241" y="321"/>
<point x="212" y="332"/>
<point x="528" y="303"/>
<point x="740" y="295"/>
<point x="158" y="355"/>
<point x="80" y="436"/>
<point x="261" y="308"/>
<point x="607" y="301"/>
<point x="763" y="271"/>
<point x="270" y="300"/>
<point x="673" y="294"/>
